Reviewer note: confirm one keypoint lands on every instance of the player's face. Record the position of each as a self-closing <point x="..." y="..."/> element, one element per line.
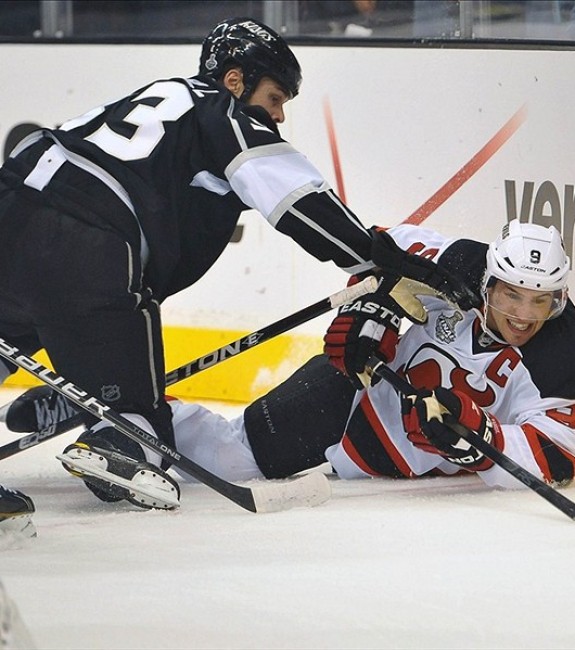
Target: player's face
<point x="271" y="96"/>
<point x="516" y="313"/>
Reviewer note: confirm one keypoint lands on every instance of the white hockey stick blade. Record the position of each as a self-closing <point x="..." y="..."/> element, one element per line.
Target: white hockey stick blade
<point x="146" y="487"/>
<point x="310" y="490"/>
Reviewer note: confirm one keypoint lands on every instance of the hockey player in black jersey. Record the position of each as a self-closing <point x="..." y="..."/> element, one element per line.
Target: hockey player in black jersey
<point x="104" y="217"/>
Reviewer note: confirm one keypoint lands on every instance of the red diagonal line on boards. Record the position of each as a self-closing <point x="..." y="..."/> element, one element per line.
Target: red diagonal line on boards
<point x="334" y="150"/>
<point x="467" y="171"/>
<point x="454" y="183"/>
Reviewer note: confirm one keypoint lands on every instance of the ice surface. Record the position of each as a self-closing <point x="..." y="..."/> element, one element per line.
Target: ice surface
<point x="435" y="563"/>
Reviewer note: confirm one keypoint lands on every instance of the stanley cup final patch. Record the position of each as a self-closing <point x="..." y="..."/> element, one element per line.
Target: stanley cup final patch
<point x="445" y="327"/>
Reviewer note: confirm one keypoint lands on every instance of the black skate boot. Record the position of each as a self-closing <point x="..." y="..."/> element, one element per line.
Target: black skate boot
<point x="114" y="468"/>
<point x="16" y="510"/>
<point x="41" y="410"/>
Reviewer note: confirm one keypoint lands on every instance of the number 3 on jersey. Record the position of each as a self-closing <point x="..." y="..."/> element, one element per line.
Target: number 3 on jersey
<point x="175" y="100"/>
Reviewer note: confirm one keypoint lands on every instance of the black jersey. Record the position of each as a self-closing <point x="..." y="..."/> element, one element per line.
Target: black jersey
<point x="172" y="166"/>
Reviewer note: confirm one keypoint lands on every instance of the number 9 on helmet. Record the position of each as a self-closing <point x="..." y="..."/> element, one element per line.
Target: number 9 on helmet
<point x="529" y="256"/>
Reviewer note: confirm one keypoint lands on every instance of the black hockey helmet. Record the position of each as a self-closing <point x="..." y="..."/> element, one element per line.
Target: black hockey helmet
<point x="254" y="47"/>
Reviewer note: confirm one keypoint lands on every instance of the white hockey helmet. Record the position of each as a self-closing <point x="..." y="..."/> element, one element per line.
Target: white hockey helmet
<point x="532" y="257"/>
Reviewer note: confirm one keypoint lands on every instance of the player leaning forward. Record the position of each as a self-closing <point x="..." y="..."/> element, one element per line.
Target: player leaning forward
<point x="501" y="369"/>
<point x="106" y="216"/>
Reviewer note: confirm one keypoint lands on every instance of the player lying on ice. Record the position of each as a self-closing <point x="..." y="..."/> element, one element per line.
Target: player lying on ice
<point x="500" y="369"/>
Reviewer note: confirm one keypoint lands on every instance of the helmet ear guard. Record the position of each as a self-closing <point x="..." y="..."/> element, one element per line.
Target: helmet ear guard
<point x="257" y="49"/>
<point x="532" y="257"/>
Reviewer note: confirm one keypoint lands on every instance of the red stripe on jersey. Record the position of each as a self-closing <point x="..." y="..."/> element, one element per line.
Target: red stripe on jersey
<point x="352" y="452"/>
<point x="532" y="434"/>
<point x="384" y="438"/>
<point x="565" y="415"/>
<point x="534" y="437"/>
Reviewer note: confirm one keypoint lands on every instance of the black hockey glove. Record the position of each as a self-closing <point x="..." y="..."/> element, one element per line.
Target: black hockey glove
<point x="406" y="276"/>
<point x="426" y="421"/>
<point x="362" y="329"/>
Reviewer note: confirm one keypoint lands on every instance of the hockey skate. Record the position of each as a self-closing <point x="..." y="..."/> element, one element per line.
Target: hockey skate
<point x="40" y="409"/>
<point x="16" y="525"/>
<point x="113" y="475"/>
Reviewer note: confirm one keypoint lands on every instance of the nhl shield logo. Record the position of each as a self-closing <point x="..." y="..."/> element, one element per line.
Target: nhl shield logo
<point x="111" y="393"/>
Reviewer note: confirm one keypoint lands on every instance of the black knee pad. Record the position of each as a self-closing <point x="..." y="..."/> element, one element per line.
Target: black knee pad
<point x="290" y="428"/>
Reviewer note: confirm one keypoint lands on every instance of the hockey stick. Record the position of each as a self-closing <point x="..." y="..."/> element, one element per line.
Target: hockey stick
<point x="567" y="507"/>
<point x="311" y="489"/>
<point x="36" y="437"/>
<point x="368" y="285"/>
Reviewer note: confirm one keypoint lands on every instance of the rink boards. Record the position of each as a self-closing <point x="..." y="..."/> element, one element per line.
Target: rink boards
<point x="459" y="140"/>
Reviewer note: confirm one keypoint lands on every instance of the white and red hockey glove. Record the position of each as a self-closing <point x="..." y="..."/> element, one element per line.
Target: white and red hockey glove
<point x="362" y="329"/>
<point x="426" y="421"/>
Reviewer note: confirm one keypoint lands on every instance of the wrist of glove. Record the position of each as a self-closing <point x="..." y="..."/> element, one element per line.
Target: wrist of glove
<point x="405" y="276"/>
<point x="426" y="420"/>
<point x="363" y="328"/>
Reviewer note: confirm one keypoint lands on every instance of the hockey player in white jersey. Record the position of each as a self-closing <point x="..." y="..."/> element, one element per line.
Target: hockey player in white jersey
<point x="500" y="369"/>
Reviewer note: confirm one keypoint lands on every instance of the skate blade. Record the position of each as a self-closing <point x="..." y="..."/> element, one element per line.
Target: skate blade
<point x="146" y="488"/>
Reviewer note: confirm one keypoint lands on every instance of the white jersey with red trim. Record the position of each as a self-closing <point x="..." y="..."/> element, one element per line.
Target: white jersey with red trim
<point x="530" y="390"/>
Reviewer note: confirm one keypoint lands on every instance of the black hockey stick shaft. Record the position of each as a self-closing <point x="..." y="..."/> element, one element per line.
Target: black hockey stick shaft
<point x="242" y="496"/>
<point x="368" y="285"/>
<point x="212" y="358"/>
<point x="533" y="482"/>
<point x="36" y="437"/>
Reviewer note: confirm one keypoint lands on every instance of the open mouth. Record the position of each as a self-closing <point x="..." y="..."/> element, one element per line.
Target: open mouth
<point x="518" y="326"/>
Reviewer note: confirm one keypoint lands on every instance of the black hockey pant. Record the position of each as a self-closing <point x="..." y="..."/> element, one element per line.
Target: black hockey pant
<point x="290" y="427"/>
<point x="76" y="290"/>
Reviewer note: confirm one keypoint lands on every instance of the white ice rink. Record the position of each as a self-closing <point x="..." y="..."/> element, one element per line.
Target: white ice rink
<point x="436" y="563"/>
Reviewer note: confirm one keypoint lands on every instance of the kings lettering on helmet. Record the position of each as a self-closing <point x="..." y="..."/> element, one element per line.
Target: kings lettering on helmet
<point x="256" y="49"/>
<point x="254" y="28"/>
